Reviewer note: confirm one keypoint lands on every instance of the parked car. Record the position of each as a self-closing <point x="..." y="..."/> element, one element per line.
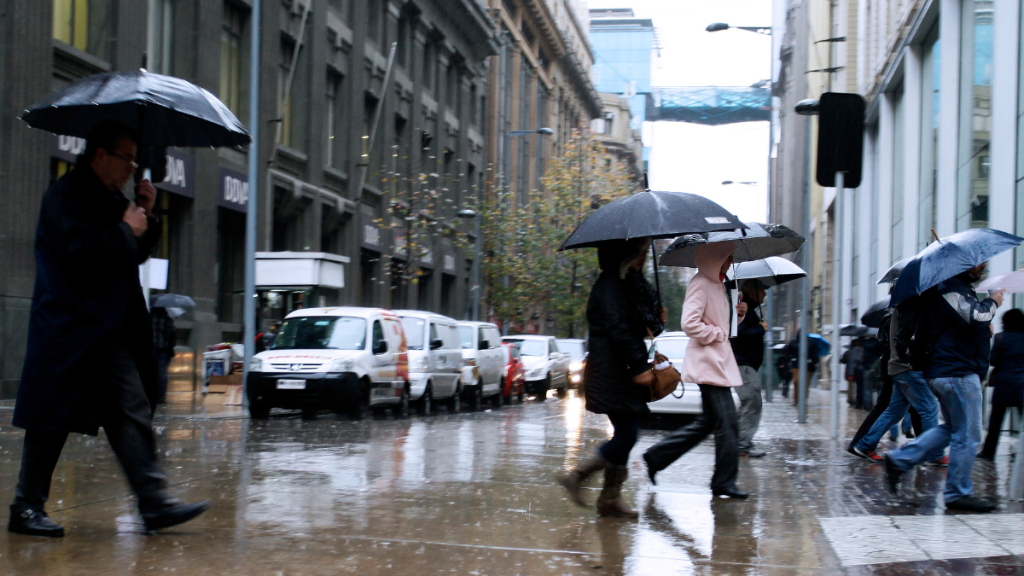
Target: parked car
<point x="673" y="345"/>
<point x="435" y="360"/>
<point x="546" y="366"/>
<point x="346" y="359"/>
<point x="577" y="351"/>
<point x="513" y="376"/>
<point x="484" y="359"/>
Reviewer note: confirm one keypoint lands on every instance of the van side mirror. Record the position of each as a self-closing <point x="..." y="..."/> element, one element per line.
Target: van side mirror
<point x="436" y="343"/>
<point x="484" y="345"/>
<point x="380" y="347"/>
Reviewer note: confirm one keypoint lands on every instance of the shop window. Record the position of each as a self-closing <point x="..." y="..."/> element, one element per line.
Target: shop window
<point x="231" y="58"/>
<point x="160" y="42"/>
<point x="975" y="113"/>
<point x="84" y="24"/>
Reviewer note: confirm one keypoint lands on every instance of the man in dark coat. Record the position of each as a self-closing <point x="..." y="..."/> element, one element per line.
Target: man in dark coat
<point x="90" y="359"/>
<point x="748" y="348"/>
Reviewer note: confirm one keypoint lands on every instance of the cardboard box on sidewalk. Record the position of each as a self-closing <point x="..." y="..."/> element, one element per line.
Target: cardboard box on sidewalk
<point x="220" y="384"/>
<point x="230" y="395"/>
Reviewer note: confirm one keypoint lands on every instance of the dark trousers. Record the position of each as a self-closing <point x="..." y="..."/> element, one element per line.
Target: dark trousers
<point x="719" y="417"/>
<point x="864" y="393"/>
<point x="163" y="362"/>
<point x="128" y="424"/>
<point x="627" y="427"/>
<point x="995" y="427"/>
<point x="883" y="402"/>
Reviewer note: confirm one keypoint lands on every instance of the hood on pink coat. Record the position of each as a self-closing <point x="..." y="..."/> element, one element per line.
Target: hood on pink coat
<point x="709" y="258"/>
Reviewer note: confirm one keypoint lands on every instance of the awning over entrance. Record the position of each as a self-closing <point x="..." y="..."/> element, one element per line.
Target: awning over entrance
<point x="299" y="270"/>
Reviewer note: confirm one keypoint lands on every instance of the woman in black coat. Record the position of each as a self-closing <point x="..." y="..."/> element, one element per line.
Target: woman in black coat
<point x="617" y="369"/>
<point x="1007" y="359"/>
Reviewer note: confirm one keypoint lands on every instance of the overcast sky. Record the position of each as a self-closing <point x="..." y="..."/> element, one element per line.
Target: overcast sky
<point x="694" y="158"/>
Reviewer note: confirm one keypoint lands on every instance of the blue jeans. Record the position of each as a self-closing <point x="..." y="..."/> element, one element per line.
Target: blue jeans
<point x="960" y="400"/>
<point x="909" y="389"/>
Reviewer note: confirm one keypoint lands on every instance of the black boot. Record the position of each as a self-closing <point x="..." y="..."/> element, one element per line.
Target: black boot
<point x="172" y="513"/>
<point x="33" y="522"/>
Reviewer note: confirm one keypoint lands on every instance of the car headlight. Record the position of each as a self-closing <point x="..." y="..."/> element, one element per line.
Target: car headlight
<point x="535" y="373"/>
<point x="256" y="365"/>
<point x="576" y="366"/>
<point x="418" y="365"/>
<point x="343" y="365"/>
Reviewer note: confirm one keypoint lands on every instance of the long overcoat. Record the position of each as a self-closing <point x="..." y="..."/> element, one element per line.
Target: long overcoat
<point x="87" y="300"/>
<point x="616" y="350"/>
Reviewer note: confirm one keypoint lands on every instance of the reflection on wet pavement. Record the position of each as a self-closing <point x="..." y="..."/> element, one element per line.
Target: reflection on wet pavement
<point x="460" y="494"/>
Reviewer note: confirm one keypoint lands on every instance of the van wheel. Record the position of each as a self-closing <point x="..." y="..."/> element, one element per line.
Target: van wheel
<point x="401" y="411"/>
<point x="425" y="405"/>
<point x="476" y="401"/>
<point x="361" y="406"/>
<point x="259" y="411"/>
<point x="562" y="392"/>
<point x="542" y="393"/>
<point x="497" y="400"/>
<point x="455" y="402"/>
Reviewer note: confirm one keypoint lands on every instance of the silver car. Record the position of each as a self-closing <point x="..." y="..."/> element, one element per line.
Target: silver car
<point x="686" y="399"/>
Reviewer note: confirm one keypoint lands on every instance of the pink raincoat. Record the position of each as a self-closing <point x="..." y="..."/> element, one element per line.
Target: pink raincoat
<point x="709" y="358"/>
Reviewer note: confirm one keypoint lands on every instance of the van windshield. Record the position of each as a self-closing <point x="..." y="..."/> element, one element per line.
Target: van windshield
<point x="575" y="349"/>
<point x="672" y="348"/>
<point x="466" y="337"/>
<point x="322" y="333"/>
<point x="531" y="347"/>
<point x="414" y="329"/>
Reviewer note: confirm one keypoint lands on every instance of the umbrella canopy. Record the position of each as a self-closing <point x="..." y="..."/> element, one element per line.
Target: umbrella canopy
<point x="824" y="346"/>
<point x="1012" y="282"/>
<point x="893" y="273"/>
<point x="173" y="301"/>
<point x="164" y="110"/>
<point x="769" y="271"/>
<point x="857" y="331"/>
<point x="950" y="256"/>
<point x="654" y="214"/>
<point x="757" y="242"/>
<point x="875" y="313"/>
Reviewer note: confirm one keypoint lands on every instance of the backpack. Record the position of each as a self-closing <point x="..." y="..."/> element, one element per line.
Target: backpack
<point x="913" y="339"/>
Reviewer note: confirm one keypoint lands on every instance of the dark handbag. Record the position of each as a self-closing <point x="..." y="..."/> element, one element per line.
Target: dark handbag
<point x="665" y="380"/>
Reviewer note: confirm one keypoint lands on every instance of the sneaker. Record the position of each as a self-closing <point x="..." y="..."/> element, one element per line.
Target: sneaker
<point x="941" y="462"/>
<point x="893" y="476"/>
<point x="871" y="456"/>
<point x="971" y="504"/>
<point x="909" y="434"/>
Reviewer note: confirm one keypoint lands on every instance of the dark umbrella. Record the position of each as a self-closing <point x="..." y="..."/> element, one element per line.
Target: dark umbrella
<point x="757" y="242"/>
<point x="654" y="214"/>
<point x="950" y="256"/>
<point x="164" y="110"/>
<point x="857" y="331"/>
<point x="874" y="315"/>
<point x="173" y="301"/>
<point x="893" y="273"/>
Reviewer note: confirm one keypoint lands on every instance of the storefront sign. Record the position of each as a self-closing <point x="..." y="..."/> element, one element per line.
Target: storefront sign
<point x="371" y="237"/>
<point x="426" y="260"/>
<point x="398" y="244"/>
<point x="67" y="148"/>
<point x="181" y="174"/>
<point x="233" y="191"/>
<point x="449" y="262"/>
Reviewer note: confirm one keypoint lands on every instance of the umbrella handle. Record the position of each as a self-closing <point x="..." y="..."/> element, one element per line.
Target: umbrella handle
<point x="657" y="282"/>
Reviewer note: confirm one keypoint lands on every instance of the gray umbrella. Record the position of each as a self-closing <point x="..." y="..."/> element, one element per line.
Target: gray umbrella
<point x="173" y="301"/>
<point x="769" y="271"/>
<point x="893" y="273"/>
<point x="757" y="242"/>
<point x="164" y="110"/>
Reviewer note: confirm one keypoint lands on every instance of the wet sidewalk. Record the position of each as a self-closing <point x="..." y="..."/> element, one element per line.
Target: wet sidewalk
<point x="472" y="494"/>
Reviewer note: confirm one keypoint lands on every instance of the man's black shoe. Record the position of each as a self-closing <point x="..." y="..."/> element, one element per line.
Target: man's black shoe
<point x="650" y="470"/>
<point x="33" y="523"/>
<point x="754" y="454"/>
<point x="893" y="476"/>
<point x="731" y="493"/>
<point x="971" y="504"/>
<point x="174" y="514"/>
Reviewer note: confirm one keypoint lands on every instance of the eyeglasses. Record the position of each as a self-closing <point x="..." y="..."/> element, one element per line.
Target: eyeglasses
<point x="134" y="165"/>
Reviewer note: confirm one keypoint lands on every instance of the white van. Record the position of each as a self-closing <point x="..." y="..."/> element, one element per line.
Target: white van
<point x="346" y="359"/>
<point x="485" y="360"/>
<point x="435" y="360"/>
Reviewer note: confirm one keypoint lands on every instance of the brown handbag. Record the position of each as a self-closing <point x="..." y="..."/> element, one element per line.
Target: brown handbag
<point x="665" y="381"/>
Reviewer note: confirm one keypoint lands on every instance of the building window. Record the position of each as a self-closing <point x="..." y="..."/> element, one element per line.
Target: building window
<point x="429" y="57"/>
<point x="375" y="20"/>
<point x="1018" y="299"/>
<point x="231" y="58"/>
<point x="84" y="24"/>
<point x="293" y="96"/>
<point x="160" y="44"/>
<point x="929" y="137"/>
<point x="403" y="42"/>
<point x="975" y="114"/>
<point x="337" y="123"/>
<point x="343" y="8"/>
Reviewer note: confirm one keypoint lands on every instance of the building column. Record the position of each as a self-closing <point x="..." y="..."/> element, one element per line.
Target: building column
<point x="912" y="82"/>
<point x="883" y="198"/>
<point x="949" y="117"/>
<point x="1004" y="145"/>
<point x="866" y="292"/>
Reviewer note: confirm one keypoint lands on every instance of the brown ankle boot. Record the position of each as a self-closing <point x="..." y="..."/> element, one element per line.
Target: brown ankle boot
<point x="573" y="481"/>
<point x="610" y="502"/>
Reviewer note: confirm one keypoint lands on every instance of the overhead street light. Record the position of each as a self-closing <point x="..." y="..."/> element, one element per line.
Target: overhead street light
<point x="721" y="26"/>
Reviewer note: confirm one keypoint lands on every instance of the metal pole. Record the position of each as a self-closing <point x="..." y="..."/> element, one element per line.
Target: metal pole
<point x="805" y="292"/>
<point x="769" y="360"/>
<point x="476" y="262"/>
<point x="251" y="202"/>
<point x="837" y="301"/>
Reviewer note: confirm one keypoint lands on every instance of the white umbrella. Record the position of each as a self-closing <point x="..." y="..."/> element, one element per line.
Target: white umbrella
<point x="1012" y="282"/>
<point x="770" y="271"/>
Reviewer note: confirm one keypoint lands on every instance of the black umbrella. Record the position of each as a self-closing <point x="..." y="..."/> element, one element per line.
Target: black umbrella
<point x="874" y="315"/>
<point x="654" y="214"/>
<point x="757" y="242"/>
<point x="164" y="110"/>
<point x="857" y="331"/>
<point x="173" y="301"/>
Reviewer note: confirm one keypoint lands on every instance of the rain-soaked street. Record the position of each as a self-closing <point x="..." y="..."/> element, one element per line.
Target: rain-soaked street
<point x="472" y="493"/>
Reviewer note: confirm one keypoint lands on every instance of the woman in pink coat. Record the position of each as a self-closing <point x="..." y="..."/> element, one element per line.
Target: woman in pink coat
<point x="709" y="362"/>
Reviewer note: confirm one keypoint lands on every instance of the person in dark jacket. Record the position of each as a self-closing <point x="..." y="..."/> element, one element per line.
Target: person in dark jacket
<point x="1007" y="377"/>
<point x="959" y="330"/>
<point x="89" y="359"/>
<point x="164" y="339"/>
<point x="748" y="348"/>
<point x="853" y="360"/>
<point x="617" y="375"/>
<point x="813" y="360"/>
<point x="639" y="290"/>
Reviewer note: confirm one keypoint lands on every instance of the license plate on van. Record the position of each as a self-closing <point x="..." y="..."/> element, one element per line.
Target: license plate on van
<point x="291" y="384"/>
